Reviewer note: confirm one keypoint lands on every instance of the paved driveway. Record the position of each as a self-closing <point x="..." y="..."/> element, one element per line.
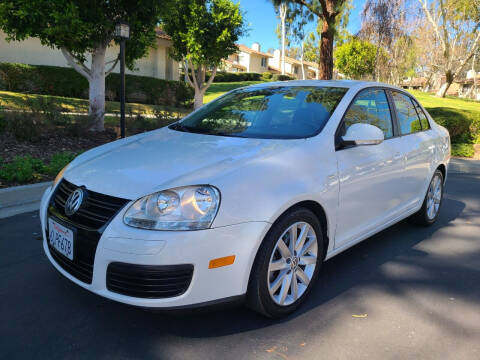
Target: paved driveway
<point x="406" y="293"/>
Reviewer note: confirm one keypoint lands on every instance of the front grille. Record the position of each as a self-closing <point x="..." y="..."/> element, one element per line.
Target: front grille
<point x="148" y="281"/>
<point x="97" y="210"/>
<point x="89" y="223"/>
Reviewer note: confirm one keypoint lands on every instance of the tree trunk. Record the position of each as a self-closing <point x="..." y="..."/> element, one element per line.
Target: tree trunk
<point x="444" y="88"/>
<point x="96" y="93"/>
<point x="301" y="62"/>
<point x="198" y="99"/>
<point x="326" y="49"/>
<point x="283" y="14"/>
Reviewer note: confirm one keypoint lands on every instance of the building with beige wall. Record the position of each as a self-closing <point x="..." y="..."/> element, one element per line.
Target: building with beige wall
<point x="293" y="67"/>
<point x="157" y="63"/>
<point x="248" y="60"/>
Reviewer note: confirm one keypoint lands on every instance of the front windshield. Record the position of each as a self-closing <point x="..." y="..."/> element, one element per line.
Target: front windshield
<point x="282" y="112"/>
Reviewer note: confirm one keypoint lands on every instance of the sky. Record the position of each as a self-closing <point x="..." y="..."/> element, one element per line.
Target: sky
<point x="262" y="22"/>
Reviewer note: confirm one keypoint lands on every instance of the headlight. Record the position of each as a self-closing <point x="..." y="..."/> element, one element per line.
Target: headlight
<point x="59" y="176"/>
<point x="183" y="208"/>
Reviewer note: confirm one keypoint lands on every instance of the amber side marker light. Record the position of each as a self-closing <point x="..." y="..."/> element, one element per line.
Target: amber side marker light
<point x="223" y="261"/>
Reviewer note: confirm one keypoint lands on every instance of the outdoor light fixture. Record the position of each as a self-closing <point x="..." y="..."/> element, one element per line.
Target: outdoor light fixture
<point x="122" y="32"/>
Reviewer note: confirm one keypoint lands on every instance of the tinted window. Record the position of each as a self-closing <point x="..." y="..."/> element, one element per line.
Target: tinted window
<point x="284" y="112"/>
<point x="423" y="118"/>
<point x="407" y="116"/>
<point x="370" y="107"/>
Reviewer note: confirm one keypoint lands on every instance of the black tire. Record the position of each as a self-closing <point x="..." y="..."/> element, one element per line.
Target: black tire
<point x="258" y="295"/>
<point x="421" y="216"/>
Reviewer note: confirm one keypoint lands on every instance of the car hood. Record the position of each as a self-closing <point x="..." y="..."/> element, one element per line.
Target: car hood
<point x="165" y="158"/>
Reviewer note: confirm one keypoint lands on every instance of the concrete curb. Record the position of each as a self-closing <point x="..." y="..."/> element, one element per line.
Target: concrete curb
<point x="19" y="199"/>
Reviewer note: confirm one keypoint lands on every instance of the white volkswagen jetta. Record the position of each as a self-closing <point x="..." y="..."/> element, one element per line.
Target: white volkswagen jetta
<point x="246" y="197"/>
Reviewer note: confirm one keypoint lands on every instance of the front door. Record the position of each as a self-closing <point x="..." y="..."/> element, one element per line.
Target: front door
<point x="369" y="175"/>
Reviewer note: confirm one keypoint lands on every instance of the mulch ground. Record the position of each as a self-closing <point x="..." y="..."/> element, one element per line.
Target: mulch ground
<point x="48" y="144"/>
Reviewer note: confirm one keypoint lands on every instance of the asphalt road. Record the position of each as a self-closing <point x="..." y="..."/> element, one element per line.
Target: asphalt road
<point x="406" y="293"/>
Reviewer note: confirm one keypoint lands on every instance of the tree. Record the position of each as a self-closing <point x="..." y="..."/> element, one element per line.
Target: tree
<point x="381" y="20"/>
<point x="83" y="30"/>
<point x="327" y="12"/>
<point x="456" y="28"/>
<point x="282" y="8"/>
<point x="355" y="58"/>
<point x="203" y="33"/>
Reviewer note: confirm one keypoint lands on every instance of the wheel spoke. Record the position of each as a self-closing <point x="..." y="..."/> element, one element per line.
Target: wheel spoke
<point x="277" y="282"/>
<point x="278" y="265"/>
<point x="285" y="287"/>
<point x="308" y="260"/>
<point x="283" y="249"/>
<point x="303" y="277"/>
<point x="307" y="246"/>
<point x="302" y="237"/>
<point x="293" y="238"/>
<point x="294" y="286"/>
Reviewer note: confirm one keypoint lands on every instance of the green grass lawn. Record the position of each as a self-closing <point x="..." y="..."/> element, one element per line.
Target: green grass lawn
<point x="217" y="89"/>
<point x="20" y="102"/>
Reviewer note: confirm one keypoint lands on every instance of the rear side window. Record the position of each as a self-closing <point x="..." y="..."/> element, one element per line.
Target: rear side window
<point x="407" y="115"/>
<point x="369" y="107"/>
<point x="422" y="116"/>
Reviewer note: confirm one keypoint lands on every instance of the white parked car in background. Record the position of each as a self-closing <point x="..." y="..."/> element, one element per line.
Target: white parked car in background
<point x="246" y="197"/>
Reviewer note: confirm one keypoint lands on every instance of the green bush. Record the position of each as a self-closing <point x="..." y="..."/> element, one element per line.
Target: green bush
<point x="280" y="77"/>
<point x="22" y="169"/>
<point x="57" y="163"/>
<point x="223" y="76"/>
<point x="59" y="81"/>
<point x="25" y="169"/>
<point x="267" y="75"/>
<point x="463" y="150"/>
<point x="463" y="125"/>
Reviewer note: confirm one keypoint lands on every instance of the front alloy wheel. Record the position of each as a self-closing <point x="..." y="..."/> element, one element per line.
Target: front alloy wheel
<point x="287" y="264"/>
<point x="292" y="263"/>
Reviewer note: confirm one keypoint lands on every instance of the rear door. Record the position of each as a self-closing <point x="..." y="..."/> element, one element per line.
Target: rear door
<point x="369" y="175"/>
<point x="417" y="144"/>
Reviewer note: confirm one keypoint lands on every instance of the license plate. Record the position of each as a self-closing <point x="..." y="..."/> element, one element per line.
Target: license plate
<point x="61" y="238"/>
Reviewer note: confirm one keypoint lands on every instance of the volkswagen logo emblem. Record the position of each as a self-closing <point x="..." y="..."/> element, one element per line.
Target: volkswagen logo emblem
<point x="74" y="201"/>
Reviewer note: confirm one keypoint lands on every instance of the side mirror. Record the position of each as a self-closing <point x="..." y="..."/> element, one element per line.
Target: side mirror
<point x="363" y="134"/>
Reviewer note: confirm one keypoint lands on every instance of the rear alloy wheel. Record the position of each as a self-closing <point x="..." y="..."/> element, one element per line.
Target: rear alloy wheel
<point x="429" y="211"/>
<point x="287" y="264"/>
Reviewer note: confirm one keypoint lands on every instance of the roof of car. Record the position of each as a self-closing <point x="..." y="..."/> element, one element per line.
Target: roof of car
<point x="330" y="83"/>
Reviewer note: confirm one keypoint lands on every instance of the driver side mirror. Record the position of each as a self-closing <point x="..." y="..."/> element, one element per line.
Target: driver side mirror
<point x="362" y="134"/>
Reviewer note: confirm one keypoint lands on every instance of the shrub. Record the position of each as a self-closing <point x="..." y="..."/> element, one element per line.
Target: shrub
<point x="463" y="125"/>
<point x="267" y="75"/>
<point x="463" y="150"/>
<point x="58" y="162"/>
<point x="59" y="81"/>
<point x="280" y="77"/>
<point x="22" y="169"/>
<point x="3" y="122"/>
<point x="23" y="125"/>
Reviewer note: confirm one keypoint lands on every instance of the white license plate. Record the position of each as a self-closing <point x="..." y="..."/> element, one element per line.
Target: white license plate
<point x="61" y="238"/>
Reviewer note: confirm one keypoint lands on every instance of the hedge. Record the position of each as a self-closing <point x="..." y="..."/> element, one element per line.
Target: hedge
<point x="223" y="76"/>
<point x="60" y="81"/>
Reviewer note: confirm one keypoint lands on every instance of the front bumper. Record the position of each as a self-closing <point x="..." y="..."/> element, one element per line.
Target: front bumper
<point x="121" y="243"/>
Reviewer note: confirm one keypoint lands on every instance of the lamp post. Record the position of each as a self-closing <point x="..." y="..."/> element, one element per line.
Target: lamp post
<point x="122" y="32"/>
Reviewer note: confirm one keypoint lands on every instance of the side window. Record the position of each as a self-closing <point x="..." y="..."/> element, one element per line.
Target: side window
<point x="407" y="115"/>
<point x="422" y="116"/>
<point x="369" y="107"/>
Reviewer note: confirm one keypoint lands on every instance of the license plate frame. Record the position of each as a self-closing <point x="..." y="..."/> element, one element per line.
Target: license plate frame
<point x="64" y="238"/>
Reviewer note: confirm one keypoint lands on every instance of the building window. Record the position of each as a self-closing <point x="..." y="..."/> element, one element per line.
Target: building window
<point x="295" y="69"/>
<point x="237" y="58"/>
<point x="264" y="62"/>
